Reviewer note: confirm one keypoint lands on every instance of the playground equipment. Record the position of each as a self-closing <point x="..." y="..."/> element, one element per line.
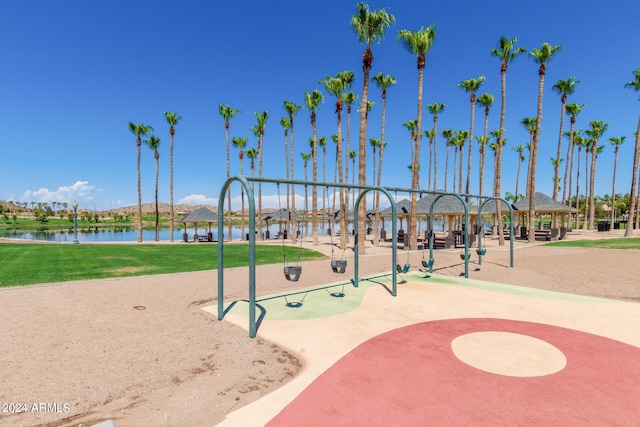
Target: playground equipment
<point x="294" y="273"/>
<point x="245" y="182"/>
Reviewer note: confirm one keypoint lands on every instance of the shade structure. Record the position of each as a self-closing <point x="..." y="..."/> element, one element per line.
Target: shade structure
<point x="543" y="204"/>
<point x="199" y="215"/>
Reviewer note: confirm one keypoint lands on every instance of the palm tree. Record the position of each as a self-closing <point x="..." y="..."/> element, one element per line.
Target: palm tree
<point x="581" y="142"/>
<point x="635" y="85"/>
<point x="313" y="100"/>
<point x="411" y="126"/>
<point x="435" y="109"/>
<point x="227" y="113"/>
<point x="506" y="52"/>
<point x="529" y="124"/>
<point x="520" y="150"/>
<point x="455" y="142"/>
<point x="417" y="43"/>
<point x="369" y="26"/>
<point x="482" y="149"/>
<point x="541" y="56"/>
<point x="383" y="82"/>
<point x="486" y="100"/>
<point x="153" y="143"/>
<point x="252" y="153"/>
<point x="352" y="155"/>
<point x="240" y="143"/>
<point x="292" y="109"/>
<point x="616" y="141"/>
<point x="139" y="131"/>
<point x="572" y="109"/>
<point x="349" y="98"/>
<point x="322" y="142"/>
<point x="429" y="135"/>
<point x="471" y="86"/>
<point x="336" y="86"/>
<point x="259" y="132"/>
<point x="447" y="134"/>
<point x="462" y="136"/>
<point x="564" y="88"/>
<point x="305" y="158"/>
<point x="286" y="124"/>
<point x="597" y="129"/>
<point x="172" y="119"/>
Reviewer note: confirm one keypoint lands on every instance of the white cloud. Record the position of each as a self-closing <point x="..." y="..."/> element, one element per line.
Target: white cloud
<point x="81" y="191"/>
<point x="273" y="201"/>
<point x="198" y="199"/>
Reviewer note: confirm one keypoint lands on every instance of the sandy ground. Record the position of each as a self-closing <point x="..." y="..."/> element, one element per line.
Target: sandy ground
<point x="142" y="352"/>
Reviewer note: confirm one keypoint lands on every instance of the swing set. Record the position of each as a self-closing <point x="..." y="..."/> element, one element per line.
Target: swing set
<point x="292" y="271"/>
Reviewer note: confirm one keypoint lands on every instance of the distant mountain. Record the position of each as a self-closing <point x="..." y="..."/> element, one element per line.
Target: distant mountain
<point x="164" y="208"/>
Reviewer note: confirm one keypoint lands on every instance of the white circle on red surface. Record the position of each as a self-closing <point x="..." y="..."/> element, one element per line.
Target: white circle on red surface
<point x="509" y="354"/>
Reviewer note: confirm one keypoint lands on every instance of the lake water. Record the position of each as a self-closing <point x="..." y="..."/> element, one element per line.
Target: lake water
<point x="125" y="234"/>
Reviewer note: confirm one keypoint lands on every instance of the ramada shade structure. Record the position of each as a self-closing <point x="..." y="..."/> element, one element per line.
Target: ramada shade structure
<point x="201" y="215"/>
<point x="544" y="205"/>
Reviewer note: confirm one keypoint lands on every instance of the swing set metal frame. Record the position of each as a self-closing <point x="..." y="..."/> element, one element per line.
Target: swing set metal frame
<point x="245" y="182"/>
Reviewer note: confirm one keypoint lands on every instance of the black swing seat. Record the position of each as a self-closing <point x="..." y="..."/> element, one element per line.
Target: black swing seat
<point x="293" y="272"/>
<point x="404" y="269"/>
<point x="462" y="256"/>
<point x="339" y="265"/>
<point x="481" y="251"/>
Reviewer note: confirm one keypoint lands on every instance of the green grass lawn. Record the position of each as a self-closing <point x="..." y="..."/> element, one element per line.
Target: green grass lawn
<point x="27" y="264"/>
<point x="619" y="243"/>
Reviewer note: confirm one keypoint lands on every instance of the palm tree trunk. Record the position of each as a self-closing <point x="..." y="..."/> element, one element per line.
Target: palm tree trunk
<point x="446" y="168"/>
<point x="314" y="189"/>
<point x="517" y="178"/>
<point x="242" y="233"/>
<point x="344" y="197"/>
<point x="324" y="194"/>
<point x="229" y="223"/>
<point x="534" y="158"/>
<point x="460" y="169"/>
<point x="467" y="188"/>
<point x="376" y="207"/>
<point x="455" y="157"/>
<point x="498" y="159"/>
<point x="435" y="153"/>
<point x="171" y="225"/>
<point x="613" y="189"/>
<point x="592" y="205"/>
<point x="585" y="222"/>
<point x="415" y="177"/>
<point x="637" y="222"/>
<point x="157" y="211"/>
<point x="362" y="164"/>
<point x="556" y="167"/>
<point x="259" y="219"/>
<point x="292" y="213"/>
<point x="483" y="149"/>
<point x="571" y="160"/>
<point x="578" y="191"/>
<point x="139" y="195"/>
<point x="287" y="167"/>
<point x="376" y="220"/>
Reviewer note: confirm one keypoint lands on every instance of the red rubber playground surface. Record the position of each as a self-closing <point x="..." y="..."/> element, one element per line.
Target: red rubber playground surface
<point x="452" y="352"/>
<point x="410" y="376"/>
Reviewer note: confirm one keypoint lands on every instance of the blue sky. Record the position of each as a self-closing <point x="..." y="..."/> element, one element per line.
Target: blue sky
<point x="75" y="73"/>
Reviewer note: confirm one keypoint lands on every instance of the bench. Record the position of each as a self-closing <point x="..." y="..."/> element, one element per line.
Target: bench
<point x="204" y="238"/>
<point x="544" y="234"/>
